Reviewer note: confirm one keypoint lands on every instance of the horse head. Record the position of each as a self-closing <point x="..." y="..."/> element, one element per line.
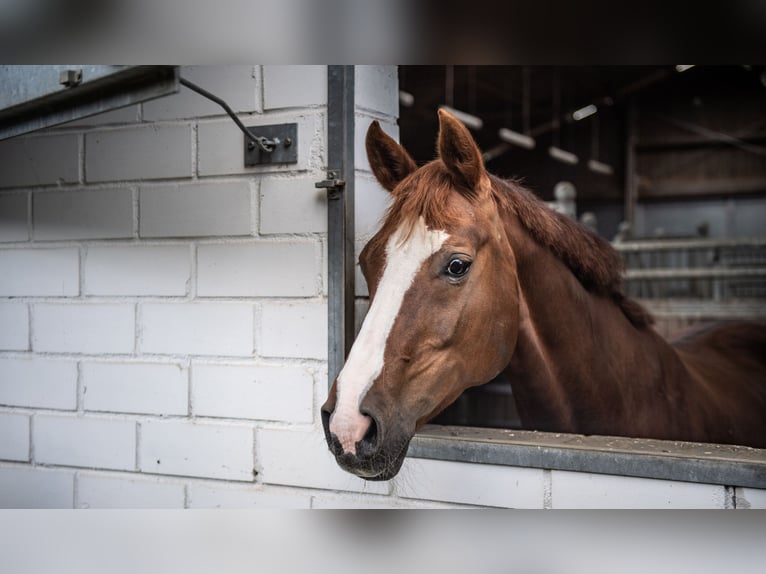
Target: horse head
<point x="443" y="313"/>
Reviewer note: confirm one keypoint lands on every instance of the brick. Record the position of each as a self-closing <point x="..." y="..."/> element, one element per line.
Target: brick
<point x="40" y="272"/>
<point x="335" y="502"/>
<point x="151" y="388"/>
<point x="203" y="450"/>
<point x="85" y="442"/>
<point x="221" y="145"/>
<point x="39" y="383"/>
<point x="296" y="457"/>
<point x="14" y="430"/>
<point x="39" y="160"/>
<point x="101" y="214"/>
<point x="467" y="483"/>
<point x="584" y="490"/>
<point x="151" y="152"/>
<point x="292" y="206"/>
<point x="14" y="333"/>
<point x="190" y="210"/>
<point x="83" y="328"/>
<point x="296" y="330"/>
<point x="233" y="84"/>
<point x="160" y="270"/>
<point x="360" y="133"/>
<point x="36" y="488"/>
<point x="260" y="269"/>
<point x="294" y="86"/>
<point x="282" y="393"/>
<point x="13" y="217"/>
<point x="370" y="205"/>
<point x="377" y="89"/>
<point x="750" y="497"/>
<point x="197" y="328"/>
<point x="95" y="491"/>
<point x="209" y="496"/>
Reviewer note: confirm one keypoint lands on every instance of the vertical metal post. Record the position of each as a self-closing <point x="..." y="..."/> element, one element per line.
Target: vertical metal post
<point x="340" y="216"/>
<point x="631" y="179"/>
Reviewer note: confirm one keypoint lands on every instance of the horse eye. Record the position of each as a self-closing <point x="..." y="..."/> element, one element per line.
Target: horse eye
<point x="458" y="267"/>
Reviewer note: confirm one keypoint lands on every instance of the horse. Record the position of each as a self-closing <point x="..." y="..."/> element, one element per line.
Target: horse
<point x="471" y="275"/>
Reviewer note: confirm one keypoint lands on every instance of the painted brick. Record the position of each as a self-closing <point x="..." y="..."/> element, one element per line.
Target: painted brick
<point x="294" y="86"/>
<point x="233" y="84"/>
<point x="152" y="388"/>
<point x="584" y="490"/>
<point x="204" y="450"/>
<point x="41" y="383"/>
<point x="282" y="393"/>
<point x="260" y="269"/>
<point x="39" y="272"/>
<point x="13" y="217"/>
<point x="39" y="160"/>
<point x="14" y="327"/>
<point x="332" y="501"/>
<point x="151" y="152"/>
<point x="296" y="457"/>
<point x="86" y="442"/>
<point x="137" y="270"/>
<point x="371" y="203"/>
<point x="221" y="145"/>
<point x="360" y="133"/>
<point x="293" y="330"/>
<point x="377" y="89"/>
<point x="83" y="328"/>
<point x="750" y="497"/>
<point x="292" y="206"/>
<point x="101" y="214"/>
<point x="197" y="328"/>
<point x="95" y="491"/>
<point x="191" y="210"/>
<point x="479" y="484"/>
<point x="208" y="496"/>
<point x="14" y="430"/>
<point x="36" y="488"/>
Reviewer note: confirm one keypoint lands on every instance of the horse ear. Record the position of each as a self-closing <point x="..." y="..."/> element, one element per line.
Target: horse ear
<point x="458" y="151"/>
<point x="389" y="161"/>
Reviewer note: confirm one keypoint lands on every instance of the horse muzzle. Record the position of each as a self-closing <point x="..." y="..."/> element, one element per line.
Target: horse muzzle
<point x="372" y="458"/>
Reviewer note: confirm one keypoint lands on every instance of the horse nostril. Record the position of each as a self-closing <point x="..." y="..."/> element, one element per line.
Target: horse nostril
<point x="369" y="443"/>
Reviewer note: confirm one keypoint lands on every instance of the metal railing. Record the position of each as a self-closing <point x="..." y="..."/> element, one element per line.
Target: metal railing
<point x="697" y="276"/>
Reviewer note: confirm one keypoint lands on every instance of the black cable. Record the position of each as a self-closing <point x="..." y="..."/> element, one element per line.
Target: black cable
<point x="265" y="144"/>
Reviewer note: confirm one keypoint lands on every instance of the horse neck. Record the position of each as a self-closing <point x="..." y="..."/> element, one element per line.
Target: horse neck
<point x="578" y="360"/>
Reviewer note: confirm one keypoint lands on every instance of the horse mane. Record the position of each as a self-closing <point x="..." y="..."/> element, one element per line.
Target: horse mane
<point x="590" y="258"/>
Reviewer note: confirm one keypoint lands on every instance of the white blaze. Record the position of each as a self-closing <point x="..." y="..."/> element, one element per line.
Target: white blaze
<point x="404" y="257"/>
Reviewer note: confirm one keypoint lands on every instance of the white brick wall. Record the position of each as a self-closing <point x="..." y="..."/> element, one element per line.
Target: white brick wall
<point x="39" y="272"/>
<point x="151" y="388"/>
<point x="222" y="451"/>
<point x="197" y="328"/>
<point x="83" y="328"/>
<point x="14" y="333"/>
<point x="158" y="270"/>
<point x="256" y="392"/>
<point x="84" y="442"/>
<point x="101" y="214"/>
<point x="14" y="437"/>
<point x="38" y="383"/>
<point x="163" y="316"/>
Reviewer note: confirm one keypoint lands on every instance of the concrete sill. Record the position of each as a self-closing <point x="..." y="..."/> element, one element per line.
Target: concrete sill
<point x="727" y="465"/>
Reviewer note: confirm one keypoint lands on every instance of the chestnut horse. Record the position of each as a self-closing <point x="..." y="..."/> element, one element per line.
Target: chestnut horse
<point x="471" y="276"/>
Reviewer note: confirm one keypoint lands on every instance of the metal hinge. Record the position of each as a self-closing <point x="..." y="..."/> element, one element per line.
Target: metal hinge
<point x="332" y="184"/>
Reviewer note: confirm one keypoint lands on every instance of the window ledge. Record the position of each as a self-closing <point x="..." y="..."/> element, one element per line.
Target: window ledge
<point x="646" y="458"/>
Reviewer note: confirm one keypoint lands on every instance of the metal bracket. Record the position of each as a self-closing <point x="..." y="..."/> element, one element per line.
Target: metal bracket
<point x="282" y="139"/>
<point x="332" y="184"/>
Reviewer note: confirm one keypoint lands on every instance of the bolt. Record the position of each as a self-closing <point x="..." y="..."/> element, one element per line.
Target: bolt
<point x="288" y="142"/>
